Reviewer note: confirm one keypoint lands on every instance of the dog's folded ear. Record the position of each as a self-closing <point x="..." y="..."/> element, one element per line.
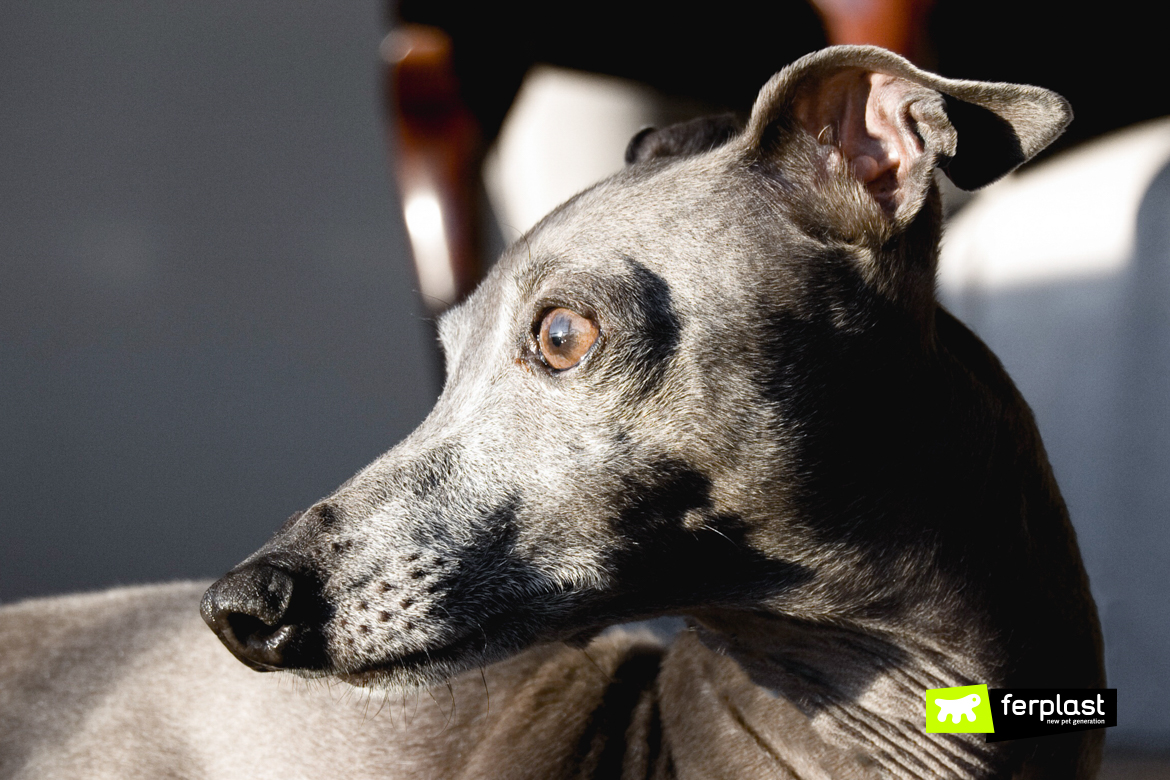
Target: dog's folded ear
<point x="889" y="125"/>
<point x="683" y="139"/>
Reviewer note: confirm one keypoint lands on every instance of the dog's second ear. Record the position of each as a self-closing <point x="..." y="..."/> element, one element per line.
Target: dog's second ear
<point x="889" y="125"/>
<point x="683" y="139"/>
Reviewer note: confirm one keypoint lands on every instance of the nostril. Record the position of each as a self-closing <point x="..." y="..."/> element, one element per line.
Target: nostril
<point x="253" y="632"/>
<point x="243" y="626"/>
<point x="266" y="617"/>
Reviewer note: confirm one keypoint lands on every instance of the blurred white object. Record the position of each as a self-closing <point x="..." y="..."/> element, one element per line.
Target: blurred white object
<point x="566" y="130"/>
<point x="1072" y="217"/>
<point x="428" y="242"/>
<point x="1064" y="271"/>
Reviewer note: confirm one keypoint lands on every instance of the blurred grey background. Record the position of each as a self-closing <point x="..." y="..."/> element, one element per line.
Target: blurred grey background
<point x="207" y="316"/>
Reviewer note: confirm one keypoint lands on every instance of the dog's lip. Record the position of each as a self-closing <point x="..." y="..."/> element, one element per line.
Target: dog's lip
<point x="412" y="661"/>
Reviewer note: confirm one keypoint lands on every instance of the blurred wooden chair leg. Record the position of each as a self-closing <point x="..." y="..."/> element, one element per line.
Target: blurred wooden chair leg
<point x="436" y="148"/>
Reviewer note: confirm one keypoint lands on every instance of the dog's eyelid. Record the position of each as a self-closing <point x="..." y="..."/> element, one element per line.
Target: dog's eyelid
<point x="545" y="303"/>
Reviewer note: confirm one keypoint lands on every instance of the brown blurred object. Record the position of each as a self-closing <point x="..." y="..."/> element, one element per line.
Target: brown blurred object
<point x="436" y="149"/>
<point x="897" y="25"/>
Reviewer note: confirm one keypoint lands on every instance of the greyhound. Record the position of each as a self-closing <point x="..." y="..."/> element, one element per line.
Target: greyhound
<point x="716" y="385"/>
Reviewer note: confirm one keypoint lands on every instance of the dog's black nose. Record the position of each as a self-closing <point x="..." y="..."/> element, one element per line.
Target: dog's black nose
<point x="268" y="617"/>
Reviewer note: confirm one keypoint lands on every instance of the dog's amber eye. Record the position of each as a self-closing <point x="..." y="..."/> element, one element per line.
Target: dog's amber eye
<point x="565" y="337"/>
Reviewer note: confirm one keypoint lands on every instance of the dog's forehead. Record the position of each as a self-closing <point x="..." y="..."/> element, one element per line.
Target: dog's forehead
<point x="687" y="220"/>
<point x="662" y="212"/>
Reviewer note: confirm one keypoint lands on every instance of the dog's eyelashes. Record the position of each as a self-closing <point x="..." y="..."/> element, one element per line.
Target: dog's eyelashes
<point x="565" y="337"/>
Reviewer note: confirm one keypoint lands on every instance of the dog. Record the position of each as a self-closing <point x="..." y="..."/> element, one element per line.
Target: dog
<point x="717" y="385"/>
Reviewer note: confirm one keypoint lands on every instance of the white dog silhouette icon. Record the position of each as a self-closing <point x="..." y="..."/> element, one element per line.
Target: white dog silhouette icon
<point x="957" y="708"/>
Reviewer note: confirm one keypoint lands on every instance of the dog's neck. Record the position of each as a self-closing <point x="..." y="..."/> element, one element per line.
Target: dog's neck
<point x="861" y="690"/>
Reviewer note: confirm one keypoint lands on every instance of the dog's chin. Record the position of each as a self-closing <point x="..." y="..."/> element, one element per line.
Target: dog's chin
<point x="423" y="668"/>
<point x="394" y="680"/>
<point x="437" y="664"/>
<point x="384" y="680"/>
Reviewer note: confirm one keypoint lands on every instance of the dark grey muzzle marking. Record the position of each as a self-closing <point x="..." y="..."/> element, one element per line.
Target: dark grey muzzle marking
<point x="676" y="550"/>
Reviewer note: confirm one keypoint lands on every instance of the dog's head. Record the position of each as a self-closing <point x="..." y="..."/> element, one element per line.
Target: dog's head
<point x="711" y="381"/>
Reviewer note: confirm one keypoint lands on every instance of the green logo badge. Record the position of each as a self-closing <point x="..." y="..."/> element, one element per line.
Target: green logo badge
<point x="962" y="710"/>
